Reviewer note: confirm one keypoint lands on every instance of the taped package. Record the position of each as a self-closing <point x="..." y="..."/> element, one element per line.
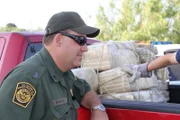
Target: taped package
<point x="153" y="95"/>
<point x="87" y="74"/>
<point x="118" y="81"/>
<point x="105" y="56"/>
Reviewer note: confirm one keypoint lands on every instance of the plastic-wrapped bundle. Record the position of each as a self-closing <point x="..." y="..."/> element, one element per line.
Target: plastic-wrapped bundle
<point x="149" y="47"/>
<point x="145" y="55"/>
<point x="87" y="74"/>
<point x="125" y="53"/>
<point x="151" y="95"/>
<point x="113" y="81"/>
<point x="119" y="96"/>
<point x="162" y="74"/>
<point x="105" y="56"/>
<point x="118" y="81"/>
<point x="97" y="57"/>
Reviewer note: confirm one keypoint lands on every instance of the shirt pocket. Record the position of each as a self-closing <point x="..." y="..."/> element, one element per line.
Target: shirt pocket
<point x="61" y="111"/>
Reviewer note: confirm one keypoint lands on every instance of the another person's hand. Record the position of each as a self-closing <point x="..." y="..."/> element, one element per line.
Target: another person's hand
<point x="140" y="68"/>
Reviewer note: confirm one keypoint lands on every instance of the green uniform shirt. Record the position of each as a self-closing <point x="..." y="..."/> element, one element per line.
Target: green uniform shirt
<point x="37" y="90"/>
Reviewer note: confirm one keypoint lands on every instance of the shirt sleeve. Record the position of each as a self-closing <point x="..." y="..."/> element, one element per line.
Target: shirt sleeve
<point x="80" y="88"/>
<point x="17" y="96"/>
<point x="178" y="56"/>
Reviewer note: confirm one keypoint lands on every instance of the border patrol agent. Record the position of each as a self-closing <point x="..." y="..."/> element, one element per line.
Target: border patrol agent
<point x="43" y="87"/>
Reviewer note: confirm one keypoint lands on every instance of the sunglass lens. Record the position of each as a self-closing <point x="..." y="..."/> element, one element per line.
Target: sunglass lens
<point x="82" y="40"/>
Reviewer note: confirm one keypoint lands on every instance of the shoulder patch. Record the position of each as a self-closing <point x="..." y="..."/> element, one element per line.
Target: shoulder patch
<point x="23" y="94"/>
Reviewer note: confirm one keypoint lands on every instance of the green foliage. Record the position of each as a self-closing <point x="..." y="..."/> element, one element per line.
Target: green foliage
<point x="11" y="27"/>
<point x="140" y="20"/>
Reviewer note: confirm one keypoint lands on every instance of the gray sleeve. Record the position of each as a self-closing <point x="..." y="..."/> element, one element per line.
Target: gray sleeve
<point x="178" y="56"/>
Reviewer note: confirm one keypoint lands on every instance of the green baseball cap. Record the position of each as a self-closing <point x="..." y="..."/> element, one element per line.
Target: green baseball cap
<point x="69" y="20"/>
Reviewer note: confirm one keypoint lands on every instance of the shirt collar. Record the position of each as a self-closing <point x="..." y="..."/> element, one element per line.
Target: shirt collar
<point x="55" y="72"/>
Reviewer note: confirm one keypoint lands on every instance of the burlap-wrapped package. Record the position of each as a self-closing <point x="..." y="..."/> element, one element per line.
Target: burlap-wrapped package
<point x="162" y="85"/>
<point x="119" y="96"/>
<point x="162" y="74"/>
<point x="105" y="56"/>
<point x="143" y="83"/>
<point x="97" y="57"/>
<point x="87" y="74"/>
<point x="113" y="81"/>
<point x="149" y="47"/>
<point x="145" y="55"/>
<point x="117" y="81"/>
<point x="153" y="95"/>
<point x="125" y="53"/>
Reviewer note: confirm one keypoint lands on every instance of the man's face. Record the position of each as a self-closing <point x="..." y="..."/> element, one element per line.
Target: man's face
<point x="73" y="51"/>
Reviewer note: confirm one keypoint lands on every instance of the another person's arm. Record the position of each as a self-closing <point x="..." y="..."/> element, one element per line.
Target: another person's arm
<point x="146" y="69"/>
<point x="164" y="61"/>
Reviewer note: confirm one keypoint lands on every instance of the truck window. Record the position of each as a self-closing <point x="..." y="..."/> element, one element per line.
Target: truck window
<point x="2" y="44"/>
<point x="32" y="49"/>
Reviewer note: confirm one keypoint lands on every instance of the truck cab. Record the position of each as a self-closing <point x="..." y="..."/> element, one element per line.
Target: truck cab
<point x="16" y="47"/>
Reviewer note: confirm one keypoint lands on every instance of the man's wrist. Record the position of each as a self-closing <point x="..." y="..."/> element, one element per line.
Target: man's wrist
<point x="98" y="107"/>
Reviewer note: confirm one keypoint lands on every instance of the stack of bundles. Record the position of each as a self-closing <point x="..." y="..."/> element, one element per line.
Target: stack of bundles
<point x="118" y="81"/>
<point x="108" y="59"/>
<point x="87" y="74"/>
<point x="105" y="56"/>
<point x="151" y="95"/>
<point x="143" y="89"/>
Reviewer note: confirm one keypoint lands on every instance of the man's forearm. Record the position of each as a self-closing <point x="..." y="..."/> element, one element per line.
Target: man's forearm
<point x="90" y="99"/>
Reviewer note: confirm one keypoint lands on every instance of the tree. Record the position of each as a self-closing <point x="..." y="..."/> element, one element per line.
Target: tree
<point x="140" y="20"/>
<point x="11" y="27"/>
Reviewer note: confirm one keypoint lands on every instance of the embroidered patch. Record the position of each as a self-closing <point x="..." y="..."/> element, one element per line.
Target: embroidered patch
<point x="35" y="75"/>
<point x="23" y="94"/>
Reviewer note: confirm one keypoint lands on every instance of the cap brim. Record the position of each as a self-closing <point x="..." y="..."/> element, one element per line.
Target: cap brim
<point x="87" y="30"/>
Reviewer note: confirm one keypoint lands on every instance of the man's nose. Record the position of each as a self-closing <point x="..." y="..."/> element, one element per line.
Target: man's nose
<point x="84" y="48"/>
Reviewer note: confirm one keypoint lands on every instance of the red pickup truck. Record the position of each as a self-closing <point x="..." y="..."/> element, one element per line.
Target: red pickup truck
<point x="17" y="47"/>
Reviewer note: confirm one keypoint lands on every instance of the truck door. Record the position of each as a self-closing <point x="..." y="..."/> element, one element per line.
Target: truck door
<point x="2" y="44"/>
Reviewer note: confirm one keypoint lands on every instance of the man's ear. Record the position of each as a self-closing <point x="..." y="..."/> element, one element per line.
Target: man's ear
<point x="58" y="39"/>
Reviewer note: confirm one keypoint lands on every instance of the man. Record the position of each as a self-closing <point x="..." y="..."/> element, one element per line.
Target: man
<point x="43" y="87"/>
<point x="163" y="61"/>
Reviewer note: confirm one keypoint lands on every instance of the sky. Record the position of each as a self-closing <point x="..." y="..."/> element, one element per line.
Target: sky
<point x="31" y="14"/>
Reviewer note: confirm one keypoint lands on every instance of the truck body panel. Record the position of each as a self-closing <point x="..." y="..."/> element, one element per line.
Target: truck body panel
<point x="17" y="47"/>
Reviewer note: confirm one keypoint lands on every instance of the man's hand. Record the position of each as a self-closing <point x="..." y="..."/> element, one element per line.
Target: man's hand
<point x="89" y="101"/>
<point x="99" y="115"/>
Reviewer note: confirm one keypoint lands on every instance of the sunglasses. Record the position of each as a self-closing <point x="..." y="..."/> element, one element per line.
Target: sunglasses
<point x="81" y="40"/>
